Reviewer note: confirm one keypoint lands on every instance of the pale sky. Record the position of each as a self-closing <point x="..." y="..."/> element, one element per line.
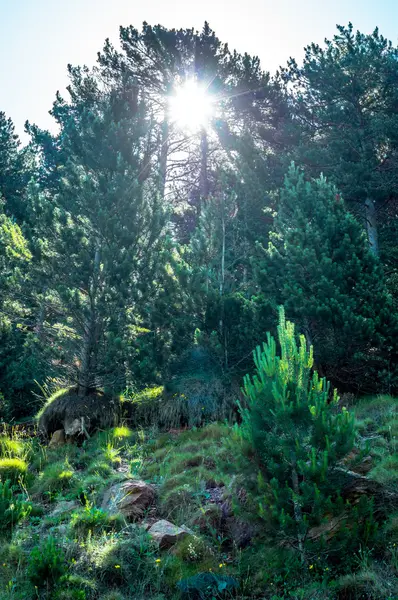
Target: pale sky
<point x="38" y="38"/>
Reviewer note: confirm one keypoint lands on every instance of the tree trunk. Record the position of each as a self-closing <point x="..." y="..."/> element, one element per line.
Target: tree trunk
<point x="164" y="151"/>
<point x="204" y="182"/>
<point x="371" y="226"/>
<point x="222" y="284"/>
<point x="90" y="334"/>
<point x="41" y="316"/>
<point x="298" y="515"/>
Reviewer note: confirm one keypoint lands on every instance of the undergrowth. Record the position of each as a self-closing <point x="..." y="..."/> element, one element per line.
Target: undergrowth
<point x="60" y="542"/>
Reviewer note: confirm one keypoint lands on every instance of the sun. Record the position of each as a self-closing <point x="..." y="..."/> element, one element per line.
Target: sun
<point x="191" y="107"/>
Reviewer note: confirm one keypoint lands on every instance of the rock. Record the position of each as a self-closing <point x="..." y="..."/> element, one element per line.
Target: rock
<point x="167" y="534"/>
<point x="239" y="532"/>
<point x="364" y="467"/>
<point x="130" y="498"/>
<point x="327" y="530"/>
<point x="57" y="439"/>
<point x="73" y="426"/>
<point x="63" y="507"/>
<point x="208" y="518"/>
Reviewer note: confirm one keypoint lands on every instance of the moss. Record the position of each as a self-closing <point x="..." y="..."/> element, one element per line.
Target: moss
<point x="14" y="469"/>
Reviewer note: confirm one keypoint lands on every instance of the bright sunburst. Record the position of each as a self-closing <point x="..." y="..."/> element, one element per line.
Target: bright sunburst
<point x="191" y="107"/>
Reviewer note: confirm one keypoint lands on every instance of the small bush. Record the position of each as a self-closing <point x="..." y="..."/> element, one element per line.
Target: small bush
<point x="56" y="477"/>
<point x="14" y="469"/>
<point x="100" y="467"/>
<point x="131" y="560"/>
<point x="75" y="587"/>
<point x="365" y="584"/>
<point x="386" y="471"/>
<point x="11" y="448"/>
<point x="207" y="585"/>
<point x="122" y="433"/>
<point x="114" y="595"/>
<point x="46" y="564"/>
<point x="13" y="508"/>
<point x="91" y="518"/>
<point x="192" y="549"/>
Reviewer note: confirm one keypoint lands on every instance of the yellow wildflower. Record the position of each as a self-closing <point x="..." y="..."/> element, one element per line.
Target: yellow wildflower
<point x="311" y="567"/>
<point x="117" y="566"/>
<point x="158" y="560"/>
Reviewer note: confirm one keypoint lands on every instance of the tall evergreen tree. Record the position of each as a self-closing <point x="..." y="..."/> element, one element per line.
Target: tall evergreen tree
<point x="319" y="266"/>
<point x="103" y="228"/>
<point x="344" y="98"/>
<point x="14" y="170"/>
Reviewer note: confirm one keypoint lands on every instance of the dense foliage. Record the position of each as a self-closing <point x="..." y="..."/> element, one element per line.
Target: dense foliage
<point x="143" y="255"/>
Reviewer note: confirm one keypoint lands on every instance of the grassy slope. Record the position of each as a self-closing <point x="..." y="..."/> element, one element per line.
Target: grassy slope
<point x="205" y="479"/>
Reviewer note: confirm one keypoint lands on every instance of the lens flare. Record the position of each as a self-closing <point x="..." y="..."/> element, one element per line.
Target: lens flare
<point x="191" y="107"/>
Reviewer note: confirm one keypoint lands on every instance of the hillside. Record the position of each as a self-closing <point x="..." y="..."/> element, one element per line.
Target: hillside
<point x="70" y="544"/>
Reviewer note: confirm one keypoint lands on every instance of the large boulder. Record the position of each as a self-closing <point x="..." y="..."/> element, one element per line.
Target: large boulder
<point x="130" y="498"/>
<point x="167" y="534"/>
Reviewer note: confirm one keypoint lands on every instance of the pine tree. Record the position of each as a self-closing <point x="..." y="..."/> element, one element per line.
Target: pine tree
<point x="319" y="266"/>
<point x="101" y="232"/>
<point x="344" y="98"/>
<point x="14" y="171"/>
<point x="292" y="420"/>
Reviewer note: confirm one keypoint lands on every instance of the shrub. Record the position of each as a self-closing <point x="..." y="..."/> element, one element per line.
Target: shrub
<point x="13" y="508"/>
<point x="365" y="584"/>
<point x="129" y="560"/>
<point x="75" y="587"/>
<point x="192" y="549"/>
<point x="142" y="408"/>
<point x="114" y="595"/>
<point x="99" y="410"/>
<point x="10" y="448"/>
<point x="56" y="477"/>
<point x="14" y="469"/>
<point x="207" y="585"/>
<point x="91" y="518"/>
<point x="298" y="433"/>
<point x="46" y="564"/>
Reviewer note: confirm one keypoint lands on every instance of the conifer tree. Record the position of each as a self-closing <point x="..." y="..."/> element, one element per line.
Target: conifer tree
<point x="344" y="99"/>
<point x="14" y="171"/>
<point x="319" y="266"/>
<point x="292" y="420"/>
<point x="101" y="232"/>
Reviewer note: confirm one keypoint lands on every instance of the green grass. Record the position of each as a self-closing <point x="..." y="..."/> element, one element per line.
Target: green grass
<point x="56" y="477"/>
<point x="14" y="469"/>
<point x="50" y="400"/>
<point x="108" y="558"/>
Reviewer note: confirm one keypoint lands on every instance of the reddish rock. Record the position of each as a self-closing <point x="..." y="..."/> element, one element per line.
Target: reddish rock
<point x="130" y="498"/>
